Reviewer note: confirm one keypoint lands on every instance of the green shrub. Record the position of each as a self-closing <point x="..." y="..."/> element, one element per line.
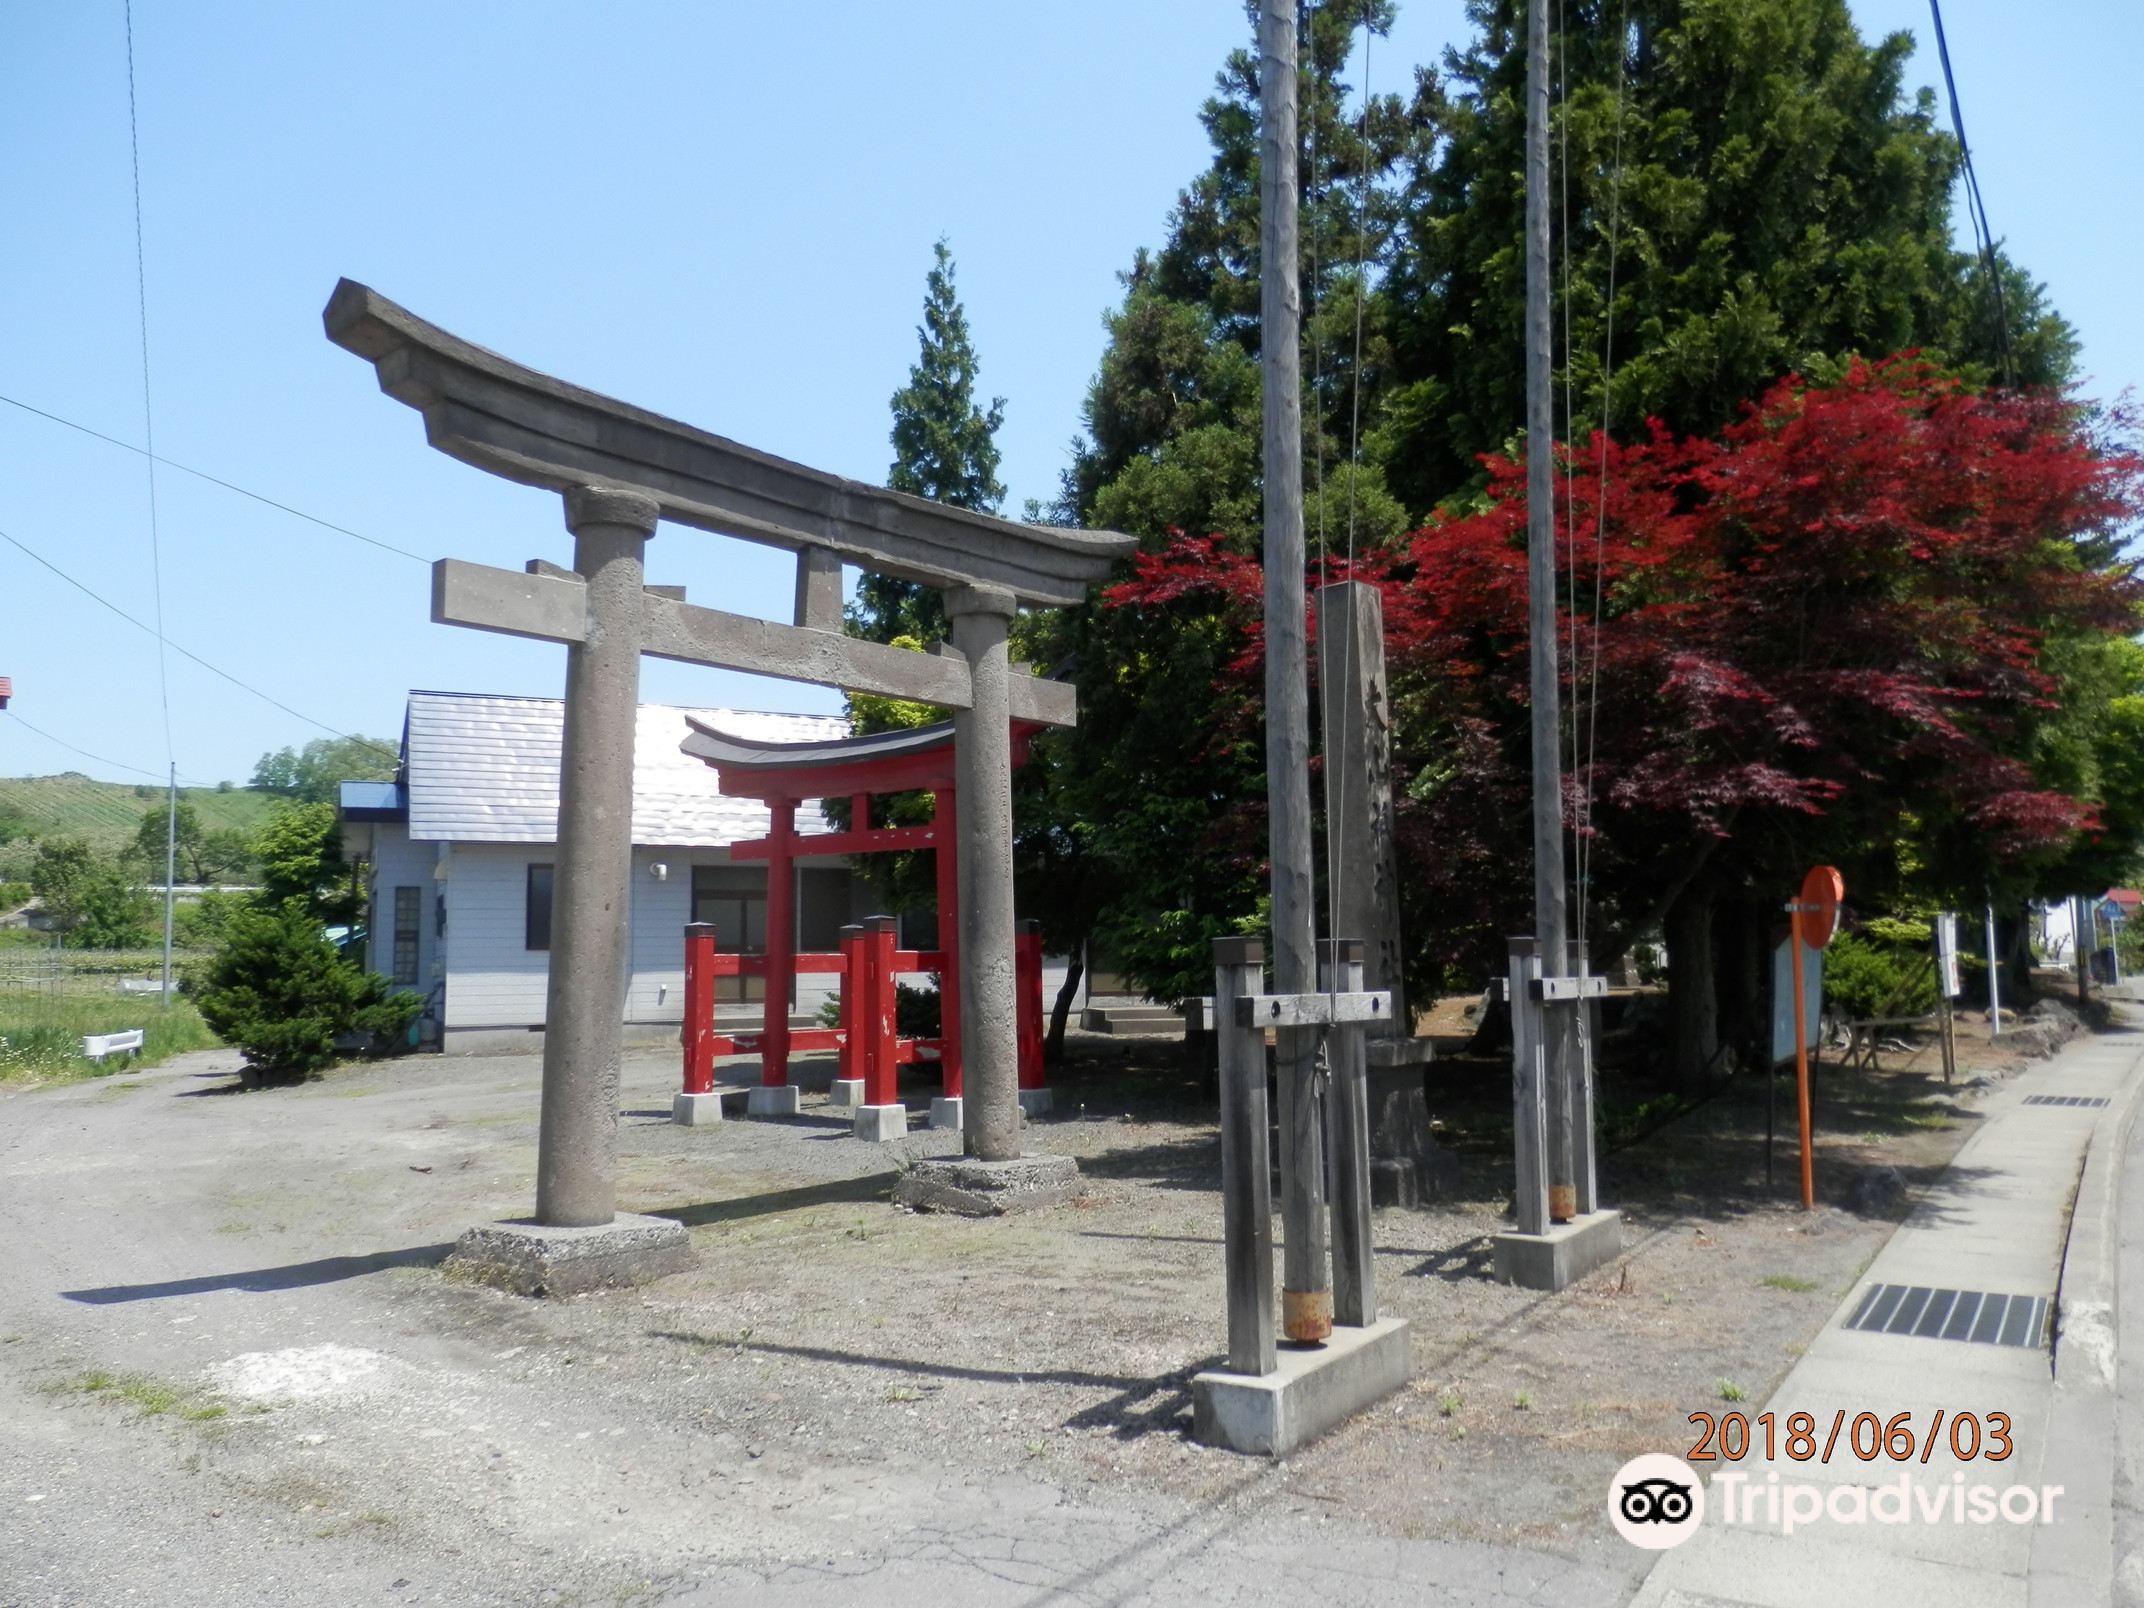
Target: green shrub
<point x="205" y="922"/>
<point x="14" y="895"/>
<point x="283" y="994"/>
<point x="1864" y="979"/>
<point x="916" y="1012"/>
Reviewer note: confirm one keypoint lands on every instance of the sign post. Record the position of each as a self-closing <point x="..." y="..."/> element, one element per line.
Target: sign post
<point x="1810" y="919"/>
<point x="1948" y="984"/>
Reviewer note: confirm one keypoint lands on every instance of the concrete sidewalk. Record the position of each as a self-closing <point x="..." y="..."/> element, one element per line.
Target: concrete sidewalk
<point x="1998" y="1222"/>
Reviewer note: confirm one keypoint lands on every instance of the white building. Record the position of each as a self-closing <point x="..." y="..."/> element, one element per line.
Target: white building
<point x="461" y="847"/>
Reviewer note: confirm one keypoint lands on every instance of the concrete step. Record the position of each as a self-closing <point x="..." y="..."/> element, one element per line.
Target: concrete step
<point x="1131" y="1018"/>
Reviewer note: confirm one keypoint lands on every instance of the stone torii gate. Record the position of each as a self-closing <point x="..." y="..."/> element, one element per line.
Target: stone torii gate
<point x="621" y="470"/>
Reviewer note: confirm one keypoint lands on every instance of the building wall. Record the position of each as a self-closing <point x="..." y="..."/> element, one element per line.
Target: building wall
<point x="494" y="979"/>
<point x="397" y="862"/>
<point x="495" y="985"/>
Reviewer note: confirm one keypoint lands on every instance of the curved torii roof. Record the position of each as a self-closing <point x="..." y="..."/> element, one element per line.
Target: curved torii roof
<point x="523" y="425"/>
<point x="834" y="767"/>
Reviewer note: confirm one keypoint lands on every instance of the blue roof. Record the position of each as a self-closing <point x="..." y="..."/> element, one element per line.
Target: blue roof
<point x="372" y="798"/>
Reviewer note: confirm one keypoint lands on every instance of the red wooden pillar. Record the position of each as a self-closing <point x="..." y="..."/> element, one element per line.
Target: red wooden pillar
<point x="1027" y="983"/>
<point x="781" y="944"/>
<point x="855" y="989"/>
<point x="699" y="1032"/>
<point x="945" y="816"/>
<point x="881" y="1066"/>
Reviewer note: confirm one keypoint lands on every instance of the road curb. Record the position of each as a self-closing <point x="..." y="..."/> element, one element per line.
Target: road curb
<point x="2072" y="1562"/>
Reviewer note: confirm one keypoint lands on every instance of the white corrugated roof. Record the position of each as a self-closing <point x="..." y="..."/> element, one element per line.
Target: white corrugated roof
<point x="484" y="769"/>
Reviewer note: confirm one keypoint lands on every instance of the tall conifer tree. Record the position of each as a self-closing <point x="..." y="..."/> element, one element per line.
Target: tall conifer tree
<point x="944" y="448"/>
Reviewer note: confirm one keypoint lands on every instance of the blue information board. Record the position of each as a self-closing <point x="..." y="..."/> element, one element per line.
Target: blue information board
<point x="1782" y="991"/>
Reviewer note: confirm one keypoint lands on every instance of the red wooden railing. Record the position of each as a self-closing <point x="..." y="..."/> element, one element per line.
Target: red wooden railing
<point x="867" y="1040"/>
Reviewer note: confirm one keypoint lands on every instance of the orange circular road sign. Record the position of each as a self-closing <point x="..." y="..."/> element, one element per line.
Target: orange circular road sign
<point x="1822" y="889"/>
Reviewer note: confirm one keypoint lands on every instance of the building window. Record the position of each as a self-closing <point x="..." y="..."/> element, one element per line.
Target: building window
<point x="409" y="910"/>
<point x="538" y="923"/>
<point x="733" y="900"/>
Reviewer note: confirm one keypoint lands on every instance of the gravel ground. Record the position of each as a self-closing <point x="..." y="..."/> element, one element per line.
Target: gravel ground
<point x="231" y="1373"/>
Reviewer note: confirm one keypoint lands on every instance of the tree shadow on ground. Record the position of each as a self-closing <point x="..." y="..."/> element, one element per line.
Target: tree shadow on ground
<point x="292" y="1276"/>
<point x="1192" y="1162"/>
<point x="1136" y="1407"/>
<point x="840" y="1191"/>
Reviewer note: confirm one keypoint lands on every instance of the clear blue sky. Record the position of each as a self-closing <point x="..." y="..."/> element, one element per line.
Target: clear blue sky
<point x="722" y="212"/>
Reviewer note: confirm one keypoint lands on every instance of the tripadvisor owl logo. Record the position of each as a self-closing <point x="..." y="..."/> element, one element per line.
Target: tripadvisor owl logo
<point x="1656" y="1501"/>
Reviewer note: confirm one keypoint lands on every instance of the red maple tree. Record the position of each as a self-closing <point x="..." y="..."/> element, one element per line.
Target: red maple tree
<point x="1821" y="636"/>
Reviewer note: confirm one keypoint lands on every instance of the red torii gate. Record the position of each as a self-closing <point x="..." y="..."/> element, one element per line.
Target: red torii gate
<point x="783" y="775"/>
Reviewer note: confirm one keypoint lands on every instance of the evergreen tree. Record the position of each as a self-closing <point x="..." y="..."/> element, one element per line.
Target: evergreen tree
<point x="944" y="448"/>
<point x="1778" y="204"/>
<point x="1773" y="200"/>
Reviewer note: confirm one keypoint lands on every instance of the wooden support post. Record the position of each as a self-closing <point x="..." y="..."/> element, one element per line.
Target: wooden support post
<point x="1801" y="1051"/>
<point x="1027" y="958"/>
<point x="882" y="1066"/>
<point x="699" y="1034"/>
<point x="945" y="824"/>
<point x="1347" y="1130"/>
<point x="1529" y="1113"/>
<point x="1246" y="1167"/>
<point x="780" y="979"/>
<point x="1585" y="1033"/>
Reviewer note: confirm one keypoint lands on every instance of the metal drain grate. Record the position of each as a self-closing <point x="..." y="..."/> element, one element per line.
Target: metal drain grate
<point x="1975" y="1315"/>
<point x="2064" y="1100"/>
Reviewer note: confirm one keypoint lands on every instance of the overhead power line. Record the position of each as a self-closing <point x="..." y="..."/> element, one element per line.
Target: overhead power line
<point x="217" y="480"/>
<point x="140" y="625"/>
<point x="61" y="742"/>
<point x="148" y="413"/>
<point x="1976" y="209"/>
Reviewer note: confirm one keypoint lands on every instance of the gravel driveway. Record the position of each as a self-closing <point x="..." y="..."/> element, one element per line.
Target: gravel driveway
<point x="230" y="1371"/>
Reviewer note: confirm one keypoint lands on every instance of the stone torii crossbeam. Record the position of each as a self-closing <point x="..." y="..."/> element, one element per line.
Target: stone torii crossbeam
<point x="622" y="470"/>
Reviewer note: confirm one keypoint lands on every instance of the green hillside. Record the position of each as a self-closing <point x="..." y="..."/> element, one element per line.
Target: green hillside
<point x="109" y="813"/>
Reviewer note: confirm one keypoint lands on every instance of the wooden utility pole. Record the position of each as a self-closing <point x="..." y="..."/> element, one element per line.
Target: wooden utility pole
<point x="1551" y="916"/>
<point x="1306" y="1290"/>
<point x="171" y="865"/>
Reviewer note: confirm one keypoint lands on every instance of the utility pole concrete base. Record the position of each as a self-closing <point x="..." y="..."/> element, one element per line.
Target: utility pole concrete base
<point x="1562" y="1256"/>
<point x="1037" y="1102"/>
<point x="974" y="1188"/>
<point x="949" y="1111"/>
<point x="784" y="1100"/>
<point x="536" y="1259"/>
<point x="694" y="1110"/>
<point x="878" y="1124"/>
<point x="1311" y="1389"/>
<point x="845" y="1094"/>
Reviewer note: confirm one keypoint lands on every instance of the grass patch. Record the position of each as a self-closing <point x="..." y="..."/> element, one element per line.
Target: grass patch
<point x="152" y="1398"/>
<point x="41" y="1033"/>
<point x="1787" y="1282"/>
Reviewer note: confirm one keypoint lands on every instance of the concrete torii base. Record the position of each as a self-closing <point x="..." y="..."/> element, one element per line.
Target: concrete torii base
<point x="987" y="1188"/>
<point x="536" y="1259"/>
<point x="695" y="1110"/>
<point x="1562" y="1256"/>
<point x="1311" y="1389"/>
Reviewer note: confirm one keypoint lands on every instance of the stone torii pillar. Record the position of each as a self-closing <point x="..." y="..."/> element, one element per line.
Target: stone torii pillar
<point x="585" y="996"/>
<point x="621" y="470"/>
<point x="982" y="759"/>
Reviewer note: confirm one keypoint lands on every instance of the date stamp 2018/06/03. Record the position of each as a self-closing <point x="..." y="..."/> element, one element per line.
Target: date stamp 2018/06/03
<point x="1866" y="1437"/>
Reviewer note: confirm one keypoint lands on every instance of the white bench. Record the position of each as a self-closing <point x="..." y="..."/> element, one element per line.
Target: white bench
<point x="96" y="1046"/>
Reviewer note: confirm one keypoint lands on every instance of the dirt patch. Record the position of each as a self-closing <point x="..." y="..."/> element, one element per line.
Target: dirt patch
<point x="824" y="1325"/>
<point x="835" y="1366"/>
